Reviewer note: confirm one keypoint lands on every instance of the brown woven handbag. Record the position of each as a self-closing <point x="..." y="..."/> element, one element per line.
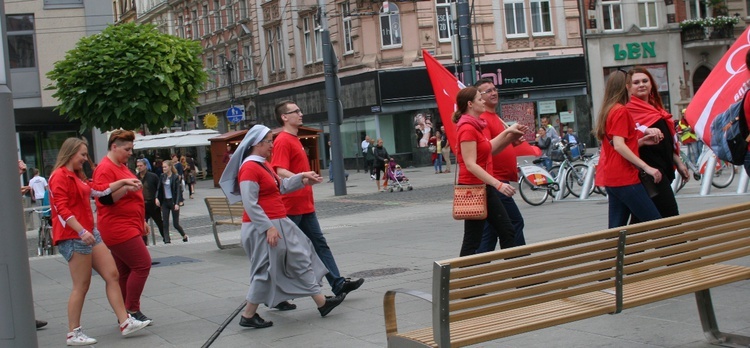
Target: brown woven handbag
<point x="469" y="201"/>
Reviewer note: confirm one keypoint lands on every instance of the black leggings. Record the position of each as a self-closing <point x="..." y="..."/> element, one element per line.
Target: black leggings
<point x="166" y="207"/>
<point x="379" y="167"/>
<point x="497" y="217"/>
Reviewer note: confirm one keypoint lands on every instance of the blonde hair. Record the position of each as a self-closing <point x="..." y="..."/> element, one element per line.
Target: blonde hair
<point x="169" y="163"/>
<point x="68" y="150"/>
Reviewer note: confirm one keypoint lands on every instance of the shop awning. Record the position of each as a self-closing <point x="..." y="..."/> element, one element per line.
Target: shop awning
<point x="198" y="137"/>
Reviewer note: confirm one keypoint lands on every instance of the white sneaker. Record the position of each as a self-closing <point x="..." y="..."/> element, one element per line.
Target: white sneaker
<point x="78" y="338"/>
<point x="132" y="325"/>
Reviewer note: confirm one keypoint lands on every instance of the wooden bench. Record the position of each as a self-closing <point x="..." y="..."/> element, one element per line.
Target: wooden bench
<point x="222" y="213"/>
<point x="488" y="296"/>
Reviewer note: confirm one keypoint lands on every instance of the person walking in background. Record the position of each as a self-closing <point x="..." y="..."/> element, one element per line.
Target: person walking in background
<point x="121" y="219"/>
<point x="190" y="174"/>
<point x="181" y="173"/>
<point x="619" y="163"/>
<point x="474" y="154"/>
<point x="504" y="166"/>
<point x="381" y="158"/>
<point x="79" y="242"/>
<point x="38" y="186"/>
<point x="289" y="158"/>
<point x="151" y="184"/>
<point x="436" y="152"/>
<point x="365" y="145"/>
<point x="645" y="107"/>
<point x="446" y="149"/>
<point x="169" y="194"/>
<point x="544" y="142"/>
<point x="157" y="165"/>
<point x="688" y="138"/>
<point x="370" y="158"/>
<point x="283" y="263"/>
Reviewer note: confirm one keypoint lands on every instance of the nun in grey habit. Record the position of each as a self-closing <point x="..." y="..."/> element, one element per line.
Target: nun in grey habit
<point x="283" y="262"/>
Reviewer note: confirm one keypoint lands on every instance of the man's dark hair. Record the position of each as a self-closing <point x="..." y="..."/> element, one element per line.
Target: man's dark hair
<point x="119" y="137"/>
<point x="483" y="81"/>
<point x="280" y="109"/>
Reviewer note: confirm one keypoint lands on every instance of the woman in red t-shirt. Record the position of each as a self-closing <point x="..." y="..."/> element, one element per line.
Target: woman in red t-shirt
<point x="474" y="156"/>
<point x="619" y="163"/>
<point x="79" y="242"/>
<point x="121" y="218"/>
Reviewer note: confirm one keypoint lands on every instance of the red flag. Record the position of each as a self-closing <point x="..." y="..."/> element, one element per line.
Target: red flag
<point x="723" y="86"/>
<point x="445" y="85"/>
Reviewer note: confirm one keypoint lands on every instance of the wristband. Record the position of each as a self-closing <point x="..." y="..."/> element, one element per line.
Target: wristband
<point x="499" y="185"/>
<point x="80" y="234"/>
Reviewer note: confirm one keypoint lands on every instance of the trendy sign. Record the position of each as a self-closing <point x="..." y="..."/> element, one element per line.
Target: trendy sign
<point x="725" y="84"/>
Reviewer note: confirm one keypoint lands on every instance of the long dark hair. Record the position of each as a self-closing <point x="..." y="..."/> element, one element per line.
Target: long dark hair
<point x="463" y="98"/>
<point x="614" y="93"/>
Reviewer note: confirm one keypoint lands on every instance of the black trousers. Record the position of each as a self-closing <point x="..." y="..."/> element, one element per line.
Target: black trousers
<point x="166" y="207"/>
<point x="664" y="201"/>
<point x="154" y="212"/>
<point x="497" y="217"/>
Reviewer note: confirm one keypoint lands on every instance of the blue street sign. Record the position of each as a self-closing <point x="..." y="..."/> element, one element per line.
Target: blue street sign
<point x="235" y="114"/>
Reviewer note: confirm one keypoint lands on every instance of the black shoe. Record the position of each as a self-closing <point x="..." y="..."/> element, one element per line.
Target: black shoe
<point x="138" y="315"/>
<point x="331" y="303"/>
<point x="350" y="285"/>
<point x="40" y="324"/>
<point x="256" y="321"/>
<point x="285" y="306"/>
<point x="185" y="238"/>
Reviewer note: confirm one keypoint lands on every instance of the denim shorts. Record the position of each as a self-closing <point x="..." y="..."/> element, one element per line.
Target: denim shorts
<point x="69" y="246"/>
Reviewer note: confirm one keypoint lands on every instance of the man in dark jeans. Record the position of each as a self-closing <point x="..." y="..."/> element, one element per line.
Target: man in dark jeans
<point x="151" y="185"/>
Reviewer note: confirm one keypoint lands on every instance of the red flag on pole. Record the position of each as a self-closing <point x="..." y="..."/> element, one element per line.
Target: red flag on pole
<point x="726" y="84"/>
<point x="445" y="85"/>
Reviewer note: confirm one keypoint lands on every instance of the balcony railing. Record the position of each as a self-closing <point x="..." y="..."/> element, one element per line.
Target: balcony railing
<point x="699" y="33"/>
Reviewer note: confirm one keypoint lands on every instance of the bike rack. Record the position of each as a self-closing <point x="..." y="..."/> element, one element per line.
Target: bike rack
<point x="742" y="188"/>
<point x="708" y="176"/>
<point x="561" y="193"/>
<point x="588" y="181"/>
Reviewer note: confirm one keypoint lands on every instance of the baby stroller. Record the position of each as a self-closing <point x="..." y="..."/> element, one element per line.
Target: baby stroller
<point x="398" y="181"/>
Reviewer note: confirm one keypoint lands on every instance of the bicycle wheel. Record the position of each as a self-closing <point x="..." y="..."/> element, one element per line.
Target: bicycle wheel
<point x="724" y="175"/>
<point x="40" y="241"/>
<point x="49" y="248"/>
<point x="532" y="194"/>
<point x="574" y="179"/>
<point x="553" y="171"/>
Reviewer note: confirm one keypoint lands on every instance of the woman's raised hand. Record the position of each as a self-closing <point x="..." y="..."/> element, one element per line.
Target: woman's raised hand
<point x="311" y="178"/>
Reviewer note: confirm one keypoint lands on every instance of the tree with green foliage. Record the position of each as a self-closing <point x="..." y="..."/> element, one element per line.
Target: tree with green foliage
<point x="127" y="76"/>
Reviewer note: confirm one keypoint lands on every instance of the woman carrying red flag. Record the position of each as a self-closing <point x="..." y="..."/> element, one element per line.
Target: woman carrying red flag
<point x="645" y="107"/>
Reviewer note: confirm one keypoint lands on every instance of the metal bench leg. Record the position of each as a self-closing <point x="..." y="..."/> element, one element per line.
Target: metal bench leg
<point x="216" y="237"/>
<point x="711" y="326"/>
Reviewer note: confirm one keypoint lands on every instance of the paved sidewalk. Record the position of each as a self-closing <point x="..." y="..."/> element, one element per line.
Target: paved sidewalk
<point x="195" y="287"/>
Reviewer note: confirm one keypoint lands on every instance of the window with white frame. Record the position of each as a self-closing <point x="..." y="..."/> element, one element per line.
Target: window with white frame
<point x="243" y="9"/>
<point x="541" y="17"/>
<point x="194" y="24"/>
<point x="181" y="27"/>
<point x="230" y="14"/>
<point x="206" y="29"/>
<point x="223" y="75"/>
<point x="318" y="41"/>
<point x="346" y="19"/>
<point x="275" y="49"/>
<point x="390" y="26"/>
<point x="217" y="15"/>
<point x="280" y="47"/>
<point x="515" y="19"/>
<point x="647" y="18"/>
<point x="247" y="61"/>
<point x="446" y="24"/>
<point x="235" y="68"/>
<point x="612" y="15"/>
<point x="307" y="34"/>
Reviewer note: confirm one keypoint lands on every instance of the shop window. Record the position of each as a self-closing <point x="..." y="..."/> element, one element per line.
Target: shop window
<point x="390" y="26"/>
<point x="515" y="20"/>
<point x="445" y="22"/>
<point x="541" y="17"/>
<point x="21" y="47"/>
<point x="647" y="18"/>
<point x="612" y="15"/>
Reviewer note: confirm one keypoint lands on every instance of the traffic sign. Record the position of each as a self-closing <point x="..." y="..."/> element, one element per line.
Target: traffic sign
<point x="236" y="114"/>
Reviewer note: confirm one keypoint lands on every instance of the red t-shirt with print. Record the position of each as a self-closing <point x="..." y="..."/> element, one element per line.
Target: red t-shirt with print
<point x="269" y="197"/>
<point x="126" y="218"/>
<point x="613" y="169"/>
<point x="288" y="153"/>
<point x="468" y="133"/>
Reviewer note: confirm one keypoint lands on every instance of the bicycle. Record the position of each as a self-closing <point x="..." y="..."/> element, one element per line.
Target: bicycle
<point x="724" y="171"/>
<point x="535" y="183"/>
<point x="44" y="238"/>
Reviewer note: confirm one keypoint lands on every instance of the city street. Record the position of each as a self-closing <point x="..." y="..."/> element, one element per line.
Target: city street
<point x="391" y="239"/>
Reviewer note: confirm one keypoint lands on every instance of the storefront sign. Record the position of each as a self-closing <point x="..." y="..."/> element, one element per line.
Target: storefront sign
<point x="635" y="50"/>
<point x="567" y="117"/>
<point x="547" y="107"/>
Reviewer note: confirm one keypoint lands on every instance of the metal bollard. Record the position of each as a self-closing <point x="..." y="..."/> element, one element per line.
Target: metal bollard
<point x="708" y="176"/>
<point x="561" y="175"/>
<point x="588" y="181"/>
<point x="742" y="187"/>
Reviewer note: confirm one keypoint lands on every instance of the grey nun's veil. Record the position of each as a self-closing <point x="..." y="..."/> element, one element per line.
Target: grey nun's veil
<point x="228" y="181"/>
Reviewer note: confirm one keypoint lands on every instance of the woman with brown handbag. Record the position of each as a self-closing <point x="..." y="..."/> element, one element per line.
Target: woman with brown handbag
<point x="474" y="154"/>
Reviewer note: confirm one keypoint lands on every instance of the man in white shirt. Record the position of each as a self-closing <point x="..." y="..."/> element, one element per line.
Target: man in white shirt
<point x="366" y="145"/>
<point x="38" y="187"/>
